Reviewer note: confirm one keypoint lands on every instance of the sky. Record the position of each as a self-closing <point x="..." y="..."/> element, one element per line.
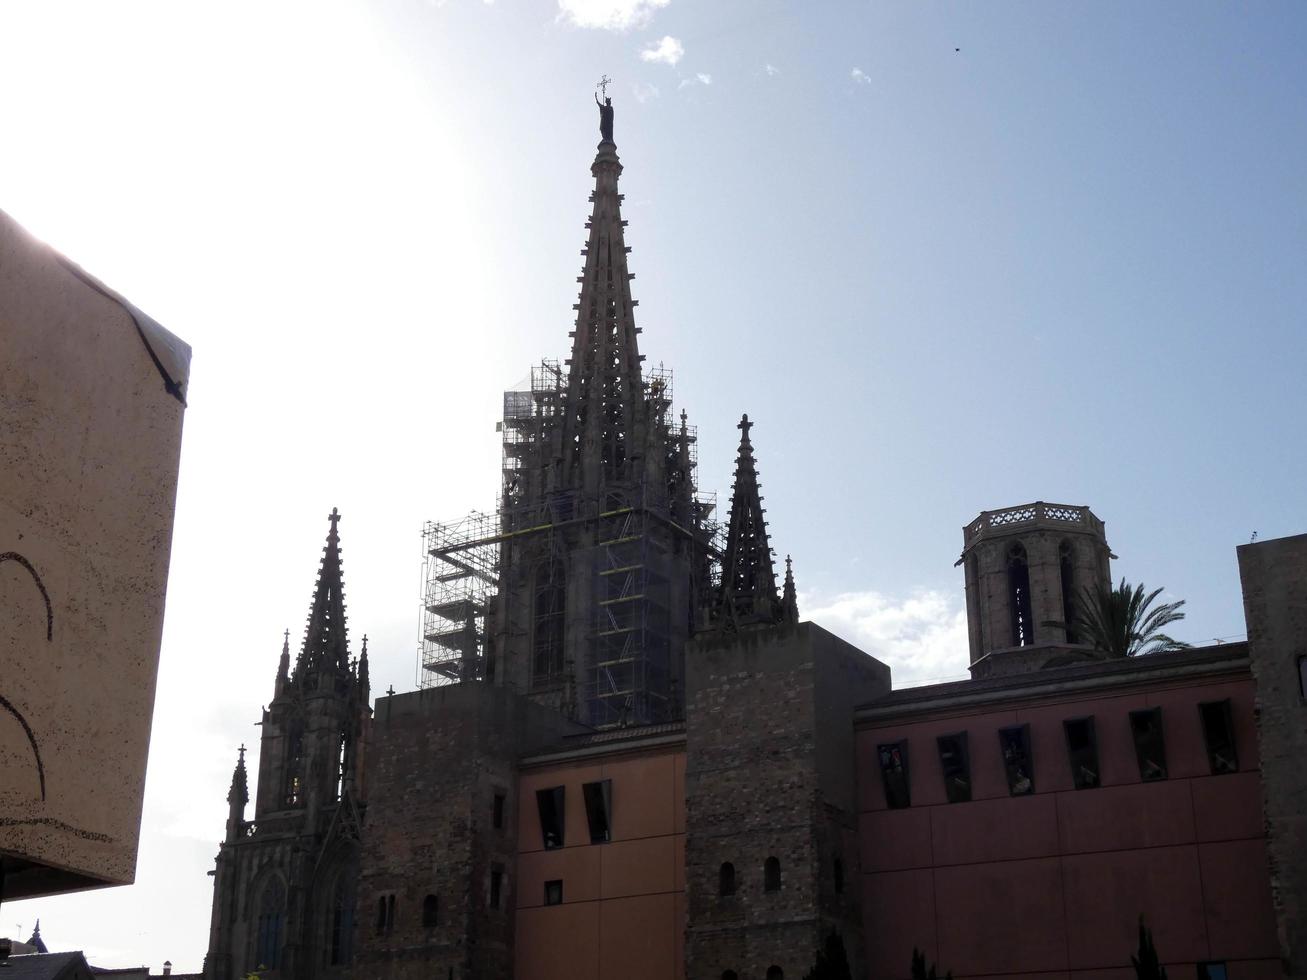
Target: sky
<point x="948" y="257"/>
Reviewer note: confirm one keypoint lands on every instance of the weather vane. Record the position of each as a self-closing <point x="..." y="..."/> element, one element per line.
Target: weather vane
<point x="603" y="85"/>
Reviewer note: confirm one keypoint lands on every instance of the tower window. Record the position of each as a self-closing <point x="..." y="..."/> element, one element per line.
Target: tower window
<point x="430" y="912"/>
<point x="894" y="774"/>
<point x="598" y="809"/>
<point x="771" y="875"/>
<point x="497" y="812"/>
<point x="726" y="879"/>
<point x="272" y="910"/>
<point x="550" y="804"/>
<point x="554" y="892"/>
<point x="775" y="973"/>
<point x="1014" y="745"/>
<point x="294" y="770"/>
<point x="496" y="886"/>
<point x="1018" y="594"/>
<point x="1066" y="563"/>
<point x="1082" y="751"/>
<point x="1150" y="750"/>
<point x="955" y="762"/>
<point x="547" y="634"/>
<point x="385" y="915"/>
<point x="1218" y="735"/>
<point x="340" y="947"/>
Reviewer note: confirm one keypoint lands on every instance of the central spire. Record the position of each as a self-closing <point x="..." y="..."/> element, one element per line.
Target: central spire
<point x="605" y="416"/>
<point x="326" y="645"/>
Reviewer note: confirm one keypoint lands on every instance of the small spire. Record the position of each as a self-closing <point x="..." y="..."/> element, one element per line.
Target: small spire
<point x="362" y="673"/>
<point x="36" y="940"/>
<point x="239" y="794"/>
<point x="326" y="643"/>
<point x="283" y="666"/>
<point x="789" y="598"/>
<point x="748" y="589"/>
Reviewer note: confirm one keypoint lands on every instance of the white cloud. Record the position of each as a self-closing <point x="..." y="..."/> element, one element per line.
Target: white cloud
<point x="609" y="15"/>
<point x="860" y="76"/>
<point x="771" y="69"/>
<point x="700" y="78"/>
<point x="668" y="51"/>
<point x="644" y="92"/>
<point x="923" y="638"/>
<point x="706" y="79"/>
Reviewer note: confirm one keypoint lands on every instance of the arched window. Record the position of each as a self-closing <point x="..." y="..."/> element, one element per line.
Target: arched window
<point x="430" y="912"/>
<point x="1018" y="595"/>
<point x="549" y="605"/>
<point x="771" y="875"/>
<point x="295" y="769"/>
<point x="730" y="975"/>
<point x="272" y="913"/>
<point x="1066" y="562"/>
<point x="340" y="931"/>
<point x="775" y="973"/>
<point x="726" y="879"/>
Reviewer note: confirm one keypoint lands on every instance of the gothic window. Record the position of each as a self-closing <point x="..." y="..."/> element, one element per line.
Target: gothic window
<point x="554" y="892"/>
<point x="385" y="915"/>
<point x="549" y="802"/>
<point x="973" y="600"/>
<point x="771" y="875"/>
<point x="272" y="912"/>
<point x="1218" y="735"/>
<point x="1014" y="746"/>
<point x="894" y="774"/>
<point x="295" y="769"/>
<point x="726" y="879"/>
<point x="340" y="932"/>
<point x="1150" y="750"/>
<point x="340" y="769"/>
<point x="1082" y="752"/>
<point x="1066" y="562"/>
<point x="775" y="973"/>
<point x="430" y="912"/>
<point x="1018" y="596"/>
<point x="598" y="809"/>
<point x="549" y="605"/>
<point x="955" y="763"/>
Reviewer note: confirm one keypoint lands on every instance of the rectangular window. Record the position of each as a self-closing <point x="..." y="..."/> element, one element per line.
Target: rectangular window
<point x="894" y="774"/>
<point x="550" y="804"/>
<point x="598" y="810"/>
<point x="1014" y="746"/>
<point x="1218" y="735"/>
<point x="497" y="812"/>
<point x="1150" y="749"/>
<point x="1082" y="752"/>
<point x="496" y="886"/>
<point x="955" y="761"/>
<point x="554" y="892"/>
<point x="1211" y="971"/>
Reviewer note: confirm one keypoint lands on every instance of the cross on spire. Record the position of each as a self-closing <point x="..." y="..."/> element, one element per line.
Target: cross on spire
<point x="604" y="82"/>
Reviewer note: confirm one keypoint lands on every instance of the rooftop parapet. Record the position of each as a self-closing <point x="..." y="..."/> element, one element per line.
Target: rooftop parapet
<point x="1007" y="519"/>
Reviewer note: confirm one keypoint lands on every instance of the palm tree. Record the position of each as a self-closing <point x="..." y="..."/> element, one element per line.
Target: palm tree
<point x="1118" y="620"/>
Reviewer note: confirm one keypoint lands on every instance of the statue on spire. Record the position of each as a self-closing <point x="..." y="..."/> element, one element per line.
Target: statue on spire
<point x="605" y="111"/>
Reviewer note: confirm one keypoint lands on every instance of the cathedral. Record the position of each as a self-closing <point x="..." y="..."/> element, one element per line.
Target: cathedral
<point x="628" y="757"/>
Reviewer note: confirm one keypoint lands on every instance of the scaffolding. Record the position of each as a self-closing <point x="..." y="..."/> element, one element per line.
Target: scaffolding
<point x="460" y="575"/>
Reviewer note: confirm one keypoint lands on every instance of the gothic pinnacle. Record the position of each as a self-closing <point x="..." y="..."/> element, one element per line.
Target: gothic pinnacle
<point x="748" y="589"/>
<point x="789" y="598"/>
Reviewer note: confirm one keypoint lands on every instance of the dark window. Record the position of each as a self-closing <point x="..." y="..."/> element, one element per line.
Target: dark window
<point x="550" y="804"/>
<point x="1082" y="752"/>
<point x="496" y="886"/>
<point x="430" y="912"/>
<point x="1218" y="734"/>
<point x="385" y="915"/>
<point x="837" y="870"/>
<point x="598" y="809"/>
<point x="730" y="975"/>
<point x="1150" y="750"/>
<point x="341" y="931"/>
<point x="1014" y="745"/>
<point x="1066" y="561"/>
<point x="272" y="908"/>
<point x="294" y="770"/>
<point x="775" y="973"/>
<point x="894" y="774"/>
<point x="1018" y="597"/>
<point x="726" y="879"/>
<point x="497" y="812"/>
<point x="554" y="892"/>
<point x="771" y="875"/>
<point x="547" y="638"/>
<point x="340" y="770"/>
<point x="1302" y="677"/>
<point x="955" y="762"/>
<point x="1211" y="971"/>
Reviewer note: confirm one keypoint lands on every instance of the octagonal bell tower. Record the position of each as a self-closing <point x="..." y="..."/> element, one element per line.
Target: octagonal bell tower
<point x="1025" y="567"/>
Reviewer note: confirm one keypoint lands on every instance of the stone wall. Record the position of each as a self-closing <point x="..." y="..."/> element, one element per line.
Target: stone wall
<point x="1274" y="575"/>
<point x="769" y="773"/>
